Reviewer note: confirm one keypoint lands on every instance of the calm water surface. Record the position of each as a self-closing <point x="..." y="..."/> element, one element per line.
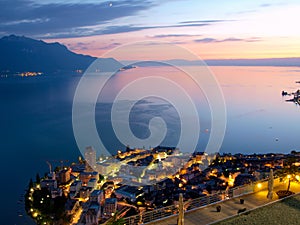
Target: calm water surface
<point x="36" y="120"/>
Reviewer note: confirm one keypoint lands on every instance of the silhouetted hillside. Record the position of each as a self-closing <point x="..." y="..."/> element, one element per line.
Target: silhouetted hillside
<point x="19" y="54"/>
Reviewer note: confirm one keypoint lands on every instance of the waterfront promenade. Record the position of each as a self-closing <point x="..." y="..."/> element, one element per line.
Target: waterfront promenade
<point x="230" y="207"/>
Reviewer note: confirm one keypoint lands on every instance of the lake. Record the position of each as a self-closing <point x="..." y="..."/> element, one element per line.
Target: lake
<point x="36" y="120"/>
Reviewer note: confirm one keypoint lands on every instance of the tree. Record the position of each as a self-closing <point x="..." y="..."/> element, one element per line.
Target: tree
<point x="209" y="188"/>
<point x="226" y="173"/>
<point x="37" y="178"/>
<point x="30" y="185"/>
<point x="113" y="195"/>
<point x="57" y="169"/>
<point x="101" y="178"/>
<point x="27" y="194"/>
<point x="289" y="161"/>
<point x="293" y="152"/>
<point x="287" y="172"/>
<point x="116" y="221"/>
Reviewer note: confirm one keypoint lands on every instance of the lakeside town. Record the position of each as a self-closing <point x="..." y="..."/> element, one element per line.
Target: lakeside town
<point x="109" y="189"/>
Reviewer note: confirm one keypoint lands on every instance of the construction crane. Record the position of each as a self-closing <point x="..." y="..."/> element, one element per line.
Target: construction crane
<point x="50" y="166"/>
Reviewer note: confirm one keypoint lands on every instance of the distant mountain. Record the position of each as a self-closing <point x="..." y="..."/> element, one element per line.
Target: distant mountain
<point x="255" y="62"/>
<point x="240" y="62"/>
<point x="20" y="54"/>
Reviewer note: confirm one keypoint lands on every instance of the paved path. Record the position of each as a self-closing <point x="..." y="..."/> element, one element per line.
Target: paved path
<point x="208" y="215"/>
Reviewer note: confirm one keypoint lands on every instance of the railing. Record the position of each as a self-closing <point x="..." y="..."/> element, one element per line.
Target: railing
<point x="162" y="213"/>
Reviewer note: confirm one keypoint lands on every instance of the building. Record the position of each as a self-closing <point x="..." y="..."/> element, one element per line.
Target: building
<point x="84" y="193"/>
<point x="90" y="157"/>
<point x="92" y="215"/>
<point x="92" y="183"/>
<point x="105" y="168"/>
<point x="86" y="176"/>
<point x="71" y="206"/>
<point x="49" y="184"/>
<point x="64" y="176"/>
<point x="97" y="196"/>
<point x="129" y="192"/>
<point x="110" y="207"/>
<point x="108" y="166"/>
<point x="75" y="186"/>
<point x="56" y="193"/>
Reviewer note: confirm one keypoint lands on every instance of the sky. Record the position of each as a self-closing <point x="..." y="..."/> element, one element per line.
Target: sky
<point x="214" y="29"/>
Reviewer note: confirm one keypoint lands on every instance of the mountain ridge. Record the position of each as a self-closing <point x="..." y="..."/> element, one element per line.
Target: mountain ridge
<point x="20" y="54"/>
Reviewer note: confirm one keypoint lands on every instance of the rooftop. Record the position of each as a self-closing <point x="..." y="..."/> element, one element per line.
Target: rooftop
<point x="128" y="189"/>
<point x="110" y="201"/>
<point x="96" y="192"/>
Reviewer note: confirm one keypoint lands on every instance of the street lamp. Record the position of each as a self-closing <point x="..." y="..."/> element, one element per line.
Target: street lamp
<point x="259" y="185"/>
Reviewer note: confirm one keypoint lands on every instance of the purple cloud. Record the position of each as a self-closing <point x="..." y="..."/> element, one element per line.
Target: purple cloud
<point x="231" y="39"/>
<point x="175" y="35"/>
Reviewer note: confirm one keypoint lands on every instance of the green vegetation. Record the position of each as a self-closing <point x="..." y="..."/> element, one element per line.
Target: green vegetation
<point x="116" y="221"/>
<point x="289" y="172"/>
<point x="42" y="208"/>
<point x="286" y="211"/>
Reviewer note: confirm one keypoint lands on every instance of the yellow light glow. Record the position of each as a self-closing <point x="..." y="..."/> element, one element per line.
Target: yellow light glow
<point x="35" y="214"/>
<point x="297" y="177"/>
<point x="289" y="176"/>
<point x="259" y="185"/>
